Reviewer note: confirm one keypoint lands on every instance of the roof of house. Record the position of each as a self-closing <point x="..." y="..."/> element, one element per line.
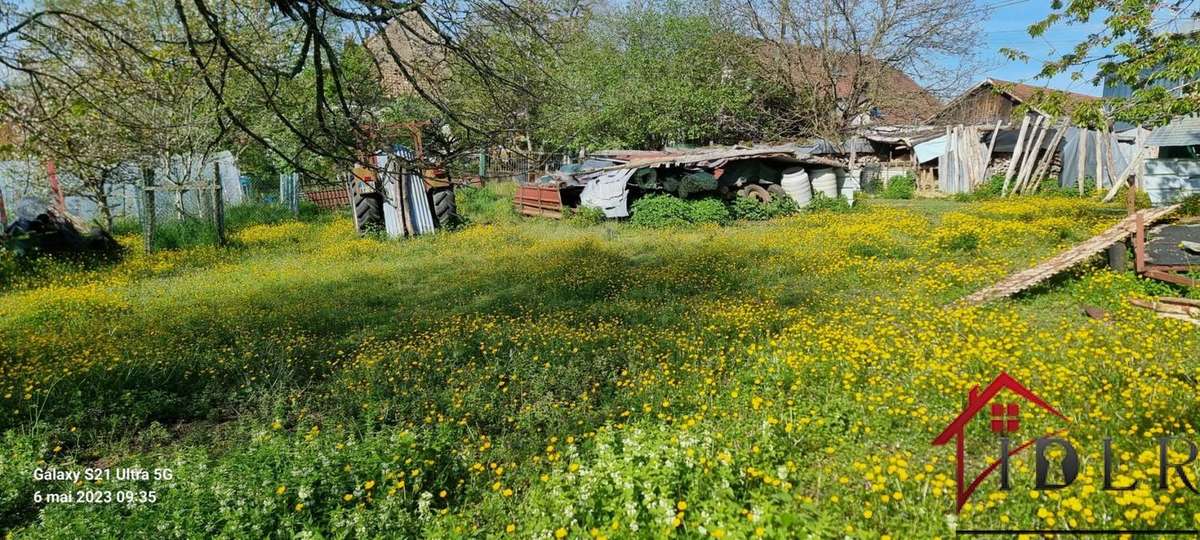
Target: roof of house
<point x="898" y="97"/>
<point x="1025" y="92"/>
<point x="1018" y="92"/>
<point x="1003" y="381"/>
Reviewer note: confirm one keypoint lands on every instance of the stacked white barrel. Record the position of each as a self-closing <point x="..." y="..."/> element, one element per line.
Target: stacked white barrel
<point x="796" y="184"/>
<point x="825" y="182"/>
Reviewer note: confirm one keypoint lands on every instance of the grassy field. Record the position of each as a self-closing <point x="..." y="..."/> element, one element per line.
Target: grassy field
<point x="540" y="379"/>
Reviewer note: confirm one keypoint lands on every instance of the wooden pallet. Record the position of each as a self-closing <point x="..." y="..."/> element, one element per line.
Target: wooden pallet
<point x="1027" y="278"/>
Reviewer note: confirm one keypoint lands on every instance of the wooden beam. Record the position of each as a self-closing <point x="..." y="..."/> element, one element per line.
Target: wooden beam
<point x="1044" y="167"/>
<point x="1031" y="157"/>
<point x="1080" y="159"/>
<point x="1170" y="277"/>
<point x="1029" y="277"/>
<point x="987" y="160"/>
<point x="1133" y="162"/>
<point x="1012" y="163"/>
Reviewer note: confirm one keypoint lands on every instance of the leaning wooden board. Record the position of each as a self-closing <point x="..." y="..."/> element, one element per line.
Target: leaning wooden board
<point x="1027" y="278"/>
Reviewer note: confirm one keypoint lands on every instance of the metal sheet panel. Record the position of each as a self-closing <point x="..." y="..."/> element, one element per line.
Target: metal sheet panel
<point x="931" y="149"/>
<point x="609" y="192"/>
<point x="1168" y="180"/>
<point x="418" y="204"/>
<point x="1180" y="132"/>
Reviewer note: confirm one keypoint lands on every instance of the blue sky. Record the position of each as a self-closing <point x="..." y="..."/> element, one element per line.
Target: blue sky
<point x="1006" y="27"/>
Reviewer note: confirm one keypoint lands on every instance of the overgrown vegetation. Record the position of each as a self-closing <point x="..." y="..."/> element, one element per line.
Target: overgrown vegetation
<point x="657" y="211"/>
<point x="1189" y="205"/>
<point x="900" y="187"/>
<point x="824" y="203"/>
<point x="538" y="377"/>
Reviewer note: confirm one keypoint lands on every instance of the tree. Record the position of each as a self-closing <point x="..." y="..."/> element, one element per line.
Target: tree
<point x="100" y="87"/>
<point x="252" y="57"/>
<point x="650" y="75"/>
<point x="1151" y="47"/>
<point x="838" y="59"/>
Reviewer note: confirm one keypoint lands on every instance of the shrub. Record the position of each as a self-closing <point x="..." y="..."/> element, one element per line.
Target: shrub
<point x="900" y="187"/>
<point x="1190" y="205"/>
<point x="989" y="189"/>
<point x="709" y="210"/>
<point x="657" y="211"/>
<point x="782" y="206"/>
<point x="585" y="216"/>
<point x="824" y="203"/>
<point x="749" y="209"/>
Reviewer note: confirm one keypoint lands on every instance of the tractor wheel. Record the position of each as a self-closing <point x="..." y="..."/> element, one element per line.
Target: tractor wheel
<point x="445" y="211"/>
<point x="368" y="212"/>
<point x="757" y="192"/>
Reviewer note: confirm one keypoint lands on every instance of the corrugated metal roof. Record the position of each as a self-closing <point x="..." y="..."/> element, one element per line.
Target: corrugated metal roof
<point x="709" y="158"/>
<point x="1180" y="132"/>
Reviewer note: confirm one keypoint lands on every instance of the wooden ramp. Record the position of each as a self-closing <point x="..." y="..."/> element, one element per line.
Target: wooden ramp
<point x="1025" y="279"/>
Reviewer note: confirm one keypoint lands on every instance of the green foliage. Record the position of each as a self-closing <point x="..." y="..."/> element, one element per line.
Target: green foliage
<point x="900" y="187"/>
<point x="1189" y="205"/>
<point x="1153" y="62"/>
<point x="585" y="216"/>
<point x="824" y="203"/>
<point x="782" y="206"/>
<point x="746" y="208"/>
<point x="19" y="456"/>
<point x="960" y="241"/>
<point x="709" y="210"/>
<point x="643" y="77"/>
<point x="988" y="189"/>
<point x="656" y="211"/>
<point x="492" y="203"/>
<point x="9" y="265"/>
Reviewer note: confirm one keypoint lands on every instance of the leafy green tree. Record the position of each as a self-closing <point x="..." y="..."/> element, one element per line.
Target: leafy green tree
<point x="645" y="77"/>
<point x="1152" y="47"/>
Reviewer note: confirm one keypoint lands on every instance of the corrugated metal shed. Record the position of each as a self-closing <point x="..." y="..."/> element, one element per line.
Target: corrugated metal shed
<point x="1180" y="132"/>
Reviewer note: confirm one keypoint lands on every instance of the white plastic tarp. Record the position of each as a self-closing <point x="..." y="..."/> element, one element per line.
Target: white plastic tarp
<point x="609" y="192"/>
<point x="931" y="149"/>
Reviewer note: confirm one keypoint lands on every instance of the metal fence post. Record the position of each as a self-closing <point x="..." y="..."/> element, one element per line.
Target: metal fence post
<point x="148" y="210"/>
<point x="218" y="199"/>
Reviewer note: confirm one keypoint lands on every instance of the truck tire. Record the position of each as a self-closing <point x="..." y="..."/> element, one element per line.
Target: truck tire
<point x="368" y="212"/>
<point x="757" y="192"/>
<point x="445" y="211"/>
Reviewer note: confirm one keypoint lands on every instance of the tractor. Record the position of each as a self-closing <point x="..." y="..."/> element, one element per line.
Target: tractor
<point x="401" y="191"/>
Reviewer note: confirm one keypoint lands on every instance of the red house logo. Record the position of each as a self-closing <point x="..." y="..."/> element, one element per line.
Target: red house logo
<point x="1005" y="419"/>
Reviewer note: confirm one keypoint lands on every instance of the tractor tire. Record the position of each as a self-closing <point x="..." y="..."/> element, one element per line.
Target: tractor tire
<point x="445" y="210"/>
<point x="368" y="212"/>
<point x="756" y="192"/>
